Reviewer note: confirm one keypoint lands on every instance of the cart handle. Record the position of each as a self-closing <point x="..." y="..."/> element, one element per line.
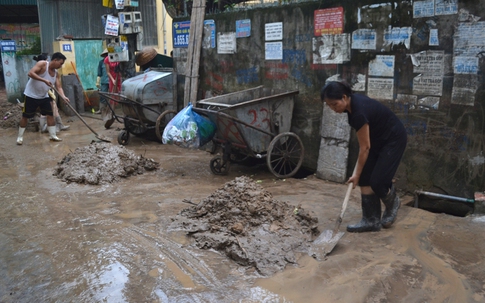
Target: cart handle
<point x="204" y="112"/>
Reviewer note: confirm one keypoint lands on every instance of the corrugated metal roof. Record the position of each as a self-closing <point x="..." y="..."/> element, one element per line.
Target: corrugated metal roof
<point x="18" y="2"/>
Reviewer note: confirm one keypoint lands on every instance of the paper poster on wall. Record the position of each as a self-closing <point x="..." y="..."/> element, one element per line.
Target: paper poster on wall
<point x="433" y="37"/>
<point x="423" y="9"/>
<point x="364" y="38"/>
<point x="380" y="88"/>
<point x="180" y="34"/>
<point x="273" y="50"/>
<point x="328" y="21"/>
<point x="273" y="31"/>
<point x="243" y="28"/>
<point x="464" y="89"/>
<point x="382" y="66"/>
<point x="226" y="43"/>
<point x="331" y="49"/>
<point x="359" y="85"/>
<point x="409" y="100"/>
<point x="209" y="40"/>
<point x="429" y="103"/>
<point x="465" y="65"/>
<point x="469" y="39"/>
<point x="428" y="62"/>
<point x="446" y="7"/>
<point x="428" y="85"/>
<point x="112" y="25"/>
<point x="398" y="35"/>
<point x="375" y="14"/>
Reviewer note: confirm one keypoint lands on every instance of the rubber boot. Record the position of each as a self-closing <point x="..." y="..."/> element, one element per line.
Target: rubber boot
<point x="392" y="203"/>
<point x="371" y="215"/>
<point x="43" y="124"/>
<point x="20" y="138"/>
<point x="52" y="134"/>
<point x="60" y="125"/>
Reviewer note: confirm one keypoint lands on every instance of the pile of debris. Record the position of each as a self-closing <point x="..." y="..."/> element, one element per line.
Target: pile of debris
<point x="10" y="115"/>
<point x="101" y="163"/>
<point x="243" y="221"/>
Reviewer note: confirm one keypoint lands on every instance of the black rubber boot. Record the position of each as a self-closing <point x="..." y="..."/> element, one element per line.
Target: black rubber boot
<point x="371" y="215"/>
<point x="392" y="203"/>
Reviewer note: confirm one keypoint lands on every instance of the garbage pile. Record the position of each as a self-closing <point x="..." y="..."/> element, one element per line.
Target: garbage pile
<point x="243" y="221"/>
<point x="101" y="163"/>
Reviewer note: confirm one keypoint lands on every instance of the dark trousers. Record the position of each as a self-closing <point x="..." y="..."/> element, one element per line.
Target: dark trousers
<point x="382" y="164"/>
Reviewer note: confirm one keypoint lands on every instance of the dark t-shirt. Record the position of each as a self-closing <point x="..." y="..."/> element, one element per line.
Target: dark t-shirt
<point x="384" y="125"/>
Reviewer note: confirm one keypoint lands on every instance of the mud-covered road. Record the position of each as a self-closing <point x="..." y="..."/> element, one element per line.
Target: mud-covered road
<point x="112" y="242"/>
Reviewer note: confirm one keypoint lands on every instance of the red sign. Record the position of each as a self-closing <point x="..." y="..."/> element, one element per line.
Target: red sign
<point x="329" y="21"/>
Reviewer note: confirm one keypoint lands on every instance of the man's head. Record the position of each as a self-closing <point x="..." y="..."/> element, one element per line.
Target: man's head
<point x="57" y="60"/>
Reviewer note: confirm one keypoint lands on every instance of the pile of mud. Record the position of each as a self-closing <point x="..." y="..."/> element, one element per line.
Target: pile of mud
<point x="101" y="163"/>
<point x="243" y="221"/>
<point x="10" y="115"/>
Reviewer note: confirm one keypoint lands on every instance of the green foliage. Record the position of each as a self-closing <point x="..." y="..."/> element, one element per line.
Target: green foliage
<point x="35" y="49"/>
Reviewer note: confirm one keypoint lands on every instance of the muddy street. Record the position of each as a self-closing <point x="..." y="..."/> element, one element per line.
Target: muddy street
<point x="116" y="242"/>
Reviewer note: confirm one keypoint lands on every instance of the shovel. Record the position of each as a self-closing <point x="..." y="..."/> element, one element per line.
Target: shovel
<point x="328" y="239"/>
<point x="100" y="137"/>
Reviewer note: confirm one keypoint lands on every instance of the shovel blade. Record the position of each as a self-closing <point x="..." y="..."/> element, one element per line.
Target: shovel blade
<point x="324" y="244"/>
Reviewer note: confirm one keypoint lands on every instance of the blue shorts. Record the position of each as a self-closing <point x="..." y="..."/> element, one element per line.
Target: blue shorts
<point x="31" y="105"/>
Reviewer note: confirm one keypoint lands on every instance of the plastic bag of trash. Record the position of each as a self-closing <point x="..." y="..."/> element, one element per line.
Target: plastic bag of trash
<point x="188" y="129"/>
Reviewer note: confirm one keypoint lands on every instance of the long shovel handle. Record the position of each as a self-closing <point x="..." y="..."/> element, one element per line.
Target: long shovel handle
<point x="77" y="114"/>
<point x="344" y="204"/>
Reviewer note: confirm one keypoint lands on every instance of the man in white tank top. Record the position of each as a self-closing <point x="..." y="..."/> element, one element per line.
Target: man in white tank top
<point x="42" y="76"/>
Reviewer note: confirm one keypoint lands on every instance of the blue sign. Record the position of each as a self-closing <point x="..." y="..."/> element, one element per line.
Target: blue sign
<point x="66" y="48"/>
<point x="243" y="28"/>
<point x="181" y="34"/>
<point x="8" y="46"/>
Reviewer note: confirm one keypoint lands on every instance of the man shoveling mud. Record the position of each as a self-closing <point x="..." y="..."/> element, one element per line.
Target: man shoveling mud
<point x="42" y="76"/>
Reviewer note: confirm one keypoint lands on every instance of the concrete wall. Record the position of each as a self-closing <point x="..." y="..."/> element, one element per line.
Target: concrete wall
<point x="423" y="59"/>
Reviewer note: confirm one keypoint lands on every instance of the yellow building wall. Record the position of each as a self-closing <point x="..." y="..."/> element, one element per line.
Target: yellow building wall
<point x="67" y="49"/>
<point x="164" y="30"/>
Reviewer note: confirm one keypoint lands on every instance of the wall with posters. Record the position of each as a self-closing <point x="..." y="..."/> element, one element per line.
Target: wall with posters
<point x="423" y="59"/>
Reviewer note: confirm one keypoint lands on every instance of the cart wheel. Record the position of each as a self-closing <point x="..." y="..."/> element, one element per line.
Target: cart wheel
<point x="123" y="137"/>
<point x="134" y="127"/>
<point x="285" y="155"/>
<point x="162" y="121"/>
<point x="218" y="166"/>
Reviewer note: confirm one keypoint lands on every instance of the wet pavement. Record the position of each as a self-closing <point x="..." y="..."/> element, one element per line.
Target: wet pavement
<point x="112" y="242"/>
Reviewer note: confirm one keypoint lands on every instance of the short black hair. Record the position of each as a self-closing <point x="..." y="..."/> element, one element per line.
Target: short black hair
<point x="58" y="56"/>
<point x="335" y="90"/>
<point x="40" y="57"/>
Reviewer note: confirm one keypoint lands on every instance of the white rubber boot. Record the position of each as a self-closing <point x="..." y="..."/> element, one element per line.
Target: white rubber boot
<point x="52" y="134"/>
<point x="20" y="138"/>
<point x="43" y="124"/>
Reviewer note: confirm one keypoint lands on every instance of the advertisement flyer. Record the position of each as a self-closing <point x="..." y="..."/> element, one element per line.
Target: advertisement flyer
<point x="328" y="21"/>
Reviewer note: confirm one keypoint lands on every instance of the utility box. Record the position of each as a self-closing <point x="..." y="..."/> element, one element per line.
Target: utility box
<point x="137" y="25"/>
<point x="126" y="22"/>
